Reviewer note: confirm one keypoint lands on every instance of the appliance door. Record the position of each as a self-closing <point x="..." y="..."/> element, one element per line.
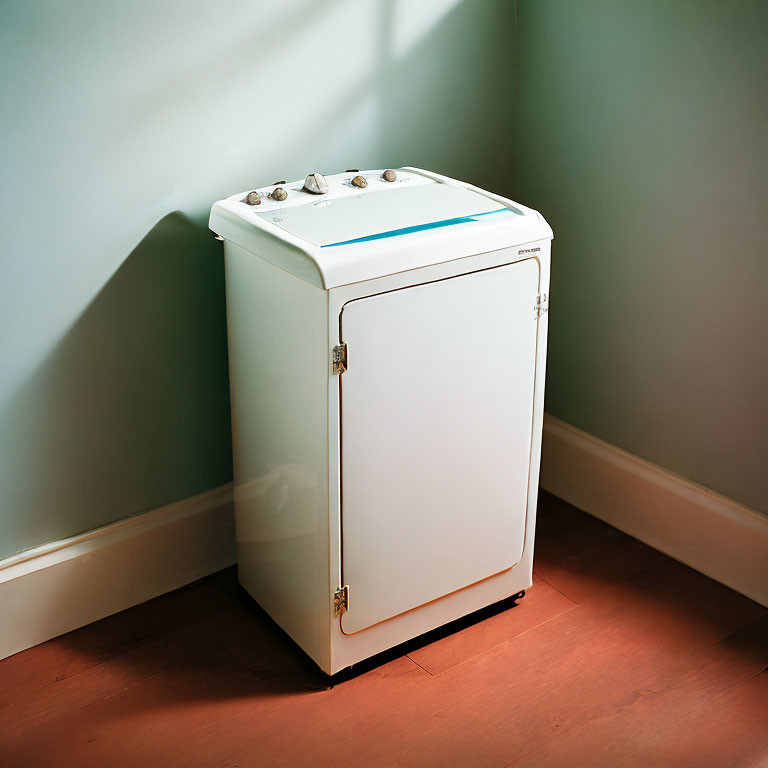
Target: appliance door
<point x="436" y="423"/>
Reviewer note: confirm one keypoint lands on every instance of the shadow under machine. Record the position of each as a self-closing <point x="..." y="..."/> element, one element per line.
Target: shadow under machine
<point x="387" y="343"/>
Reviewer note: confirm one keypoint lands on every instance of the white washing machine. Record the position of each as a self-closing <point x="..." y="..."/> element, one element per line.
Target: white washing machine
<point x="387" y="343"/>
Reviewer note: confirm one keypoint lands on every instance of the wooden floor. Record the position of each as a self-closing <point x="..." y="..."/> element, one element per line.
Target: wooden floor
<point x="618" y="656"/>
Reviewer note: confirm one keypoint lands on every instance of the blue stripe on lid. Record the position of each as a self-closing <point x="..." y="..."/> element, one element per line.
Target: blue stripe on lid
<point x="419" y="228"/>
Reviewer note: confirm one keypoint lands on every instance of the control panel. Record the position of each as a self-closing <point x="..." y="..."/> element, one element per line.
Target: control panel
<point x="317" y="189"/>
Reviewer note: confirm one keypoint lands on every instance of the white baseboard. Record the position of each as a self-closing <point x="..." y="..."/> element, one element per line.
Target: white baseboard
<point x="697" y="526"/>
<point x="58" y="587"/>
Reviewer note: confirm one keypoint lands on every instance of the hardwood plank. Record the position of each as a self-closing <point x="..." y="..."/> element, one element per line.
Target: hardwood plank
<point x="251" y="636"/>
<point x="374" y="713"/>
<point x="715" y="714"/>
<point x="540" y="604"/>
<point x="177" y="718"/>
<point x="580" y="555"/>
<point x="731" y="730"/>
<point x="45" y="705"/>
<point x="65" y="656"/>
<point x="513" y="698"/>
<point x="500" y="705"/>
<point x="644" y="654"/>
<point x="213" y="711"/>
<point x="245" y="631"/>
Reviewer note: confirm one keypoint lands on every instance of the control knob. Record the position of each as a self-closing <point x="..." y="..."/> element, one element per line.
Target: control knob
<point x="360" y="181"/>
<point x="253" y="198"/>
<point x="316" y="184"/>
<point x="389" y="175"/>
<point x="279" y="194"/>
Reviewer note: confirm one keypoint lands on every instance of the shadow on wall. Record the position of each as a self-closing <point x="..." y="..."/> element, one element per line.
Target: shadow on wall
<point x="130" y="409"/>
<point x="121" y="415"/>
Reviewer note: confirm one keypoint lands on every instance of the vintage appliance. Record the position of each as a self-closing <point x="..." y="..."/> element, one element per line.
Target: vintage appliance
<point x="387" y="341"/>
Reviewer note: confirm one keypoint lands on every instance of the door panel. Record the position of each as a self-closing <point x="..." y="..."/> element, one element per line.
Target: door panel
<point x="436" y="411"/>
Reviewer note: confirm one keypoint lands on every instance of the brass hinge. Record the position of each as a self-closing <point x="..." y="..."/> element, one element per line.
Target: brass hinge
<point x="542" y="305"/>
<point x="339" y="358"/>
<point x="341" y="600"/>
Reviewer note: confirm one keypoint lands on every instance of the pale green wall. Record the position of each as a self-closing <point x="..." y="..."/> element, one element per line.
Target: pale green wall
<point x="120" y="124"/>
<point x="641" y="133"/>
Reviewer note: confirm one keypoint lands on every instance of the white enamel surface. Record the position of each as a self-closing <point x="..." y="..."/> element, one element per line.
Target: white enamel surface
<point x="278" y="372"/>
<point x="252" y="227"/>
<point x="349" y="649"/>
<point x="286" y="412"/>
<point x="329" y="220"/>
<point x="436" y="438"/>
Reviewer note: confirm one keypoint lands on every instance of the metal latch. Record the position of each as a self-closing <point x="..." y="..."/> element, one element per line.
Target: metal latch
<point x="339" y="358"/>
<point x="341" y="600"/>
<point x="542" y="305"/>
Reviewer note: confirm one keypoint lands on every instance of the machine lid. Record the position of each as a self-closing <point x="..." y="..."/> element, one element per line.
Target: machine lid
<point x="353" y="233"/>
<point x="386" y="213"/>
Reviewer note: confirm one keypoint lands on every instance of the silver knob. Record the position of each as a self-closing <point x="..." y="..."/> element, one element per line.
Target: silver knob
<point x="316" y="184"/>
<point x="389" y="175"/>
<point x="360" y="181"/>
<point x="253" y="198"/>
<point x="279" y="194"/>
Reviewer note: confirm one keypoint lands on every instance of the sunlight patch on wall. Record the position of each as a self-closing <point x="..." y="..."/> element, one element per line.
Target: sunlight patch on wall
<point x="414" y="21"/>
